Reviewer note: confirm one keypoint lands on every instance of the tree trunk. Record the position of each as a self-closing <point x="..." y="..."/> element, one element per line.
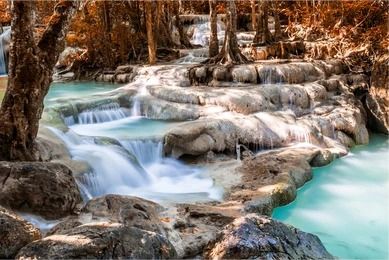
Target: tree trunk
<point x="213" y="40"/>
<point x="152" y="45"/>
<point x="277" y="24"/>
<point x="263" y="35"/>
<point x="183" y="37"/>
<point x="30" y="75"/>
<point x="230" y="53"/>
<point x="253" y="15"/>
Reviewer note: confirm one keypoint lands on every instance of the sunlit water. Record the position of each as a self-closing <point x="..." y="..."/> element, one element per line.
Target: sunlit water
<point x="76" y="89"/>
<point x="125" y="152"/>
<point x="346" y="203"/>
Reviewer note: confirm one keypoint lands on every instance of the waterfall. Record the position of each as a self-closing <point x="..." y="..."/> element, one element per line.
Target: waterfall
<point x="145" y="151"/>
<point x="104" y="113"/>
<point x="114" y="170"/>
<point x="136" y="167"/>
<point x="136" y="109"/>
<point x="201" y="33"/>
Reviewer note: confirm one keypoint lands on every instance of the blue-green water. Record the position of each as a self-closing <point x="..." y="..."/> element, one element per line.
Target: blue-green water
<point x="129" y="128"/>
<point x="76" y="89"/>
<point x="346" y="203"/>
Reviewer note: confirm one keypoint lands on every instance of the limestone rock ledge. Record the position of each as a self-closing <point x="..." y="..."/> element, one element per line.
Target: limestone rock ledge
<point x="15" y="233"/>
<point x="261" y="237"/>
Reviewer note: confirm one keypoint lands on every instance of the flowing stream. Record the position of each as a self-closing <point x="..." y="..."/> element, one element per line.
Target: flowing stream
<point x="125" y="151"/>
<point x="346" y="203"/>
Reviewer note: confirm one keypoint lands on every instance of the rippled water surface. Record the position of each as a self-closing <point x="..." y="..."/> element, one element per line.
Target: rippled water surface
<point x="346" y="203"/>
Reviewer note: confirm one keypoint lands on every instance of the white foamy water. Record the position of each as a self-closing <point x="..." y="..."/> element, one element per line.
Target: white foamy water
<point x="134" y="166"/>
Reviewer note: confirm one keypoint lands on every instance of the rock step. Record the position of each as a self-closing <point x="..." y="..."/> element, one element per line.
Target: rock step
<point x="293" y="72"/>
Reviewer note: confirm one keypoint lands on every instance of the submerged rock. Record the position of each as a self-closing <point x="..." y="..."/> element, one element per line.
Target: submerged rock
<point x="15" y="233"/>
<point x="261" y="237"/>
<point x="47" y="189"/>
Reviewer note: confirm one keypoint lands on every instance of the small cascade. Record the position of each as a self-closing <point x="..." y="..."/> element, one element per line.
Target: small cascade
<point x="104" y="113"/>
<point x="193" y="56"/>
<point x="136" y="108"/>
<point x="271" y="75"/>
<point x="145" y="151"/>
<point x="114" y="169"/>
<point x="201" y="33"/>
<point x="300" y="134"/>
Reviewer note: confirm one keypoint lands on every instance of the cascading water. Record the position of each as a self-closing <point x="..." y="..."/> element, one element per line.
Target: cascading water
<point x="201" y="33"/>
<point x="104" y="113"/>
<point x="125" y="164"/>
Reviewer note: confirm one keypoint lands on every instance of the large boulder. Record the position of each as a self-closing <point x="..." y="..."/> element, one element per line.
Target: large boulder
<point x="260" y="237"/>
<point x="15" y="233"/>
<point x="111" y="226"/>
<point x="43" y="188"/>
<point x="104" y="240"/>
<point x="126" y="210"/>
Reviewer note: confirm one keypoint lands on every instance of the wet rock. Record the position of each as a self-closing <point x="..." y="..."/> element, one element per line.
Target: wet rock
<point x="345" y="139"/>
<point x="261" y="237"/>
<point x="244" y="74"/>
<point x="43" y="188"/>
<point x="126" y="210"/>
<point x="15" y="233"/>
<point x="271" y="179"/>
<point x="194" y="226"/>
<point x="323" y="158"/>
<point x="102" y="240"/>
<point x="111" y="226"/>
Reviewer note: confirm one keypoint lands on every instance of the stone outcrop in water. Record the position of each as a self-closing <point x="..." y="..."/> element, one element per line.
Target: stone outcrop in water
<point x="271" y="179"/>
<point x="261" y="237"/>
<point x="43" y="188"/>
<point x="15" y="233"/>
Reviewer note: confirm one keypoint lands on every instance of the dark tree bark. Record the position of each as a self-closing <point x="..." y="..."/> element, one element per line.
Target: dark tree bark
<point x="213" y="40"/>
<point x="30" y="74"/>
<point x="277" y="24"/>
<point x="183" y="37"/>
<point x="263" y="35"/>
<point x="152" y="44"/>
<point x="230" y="53"/>
<point x="253" y="15"/>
